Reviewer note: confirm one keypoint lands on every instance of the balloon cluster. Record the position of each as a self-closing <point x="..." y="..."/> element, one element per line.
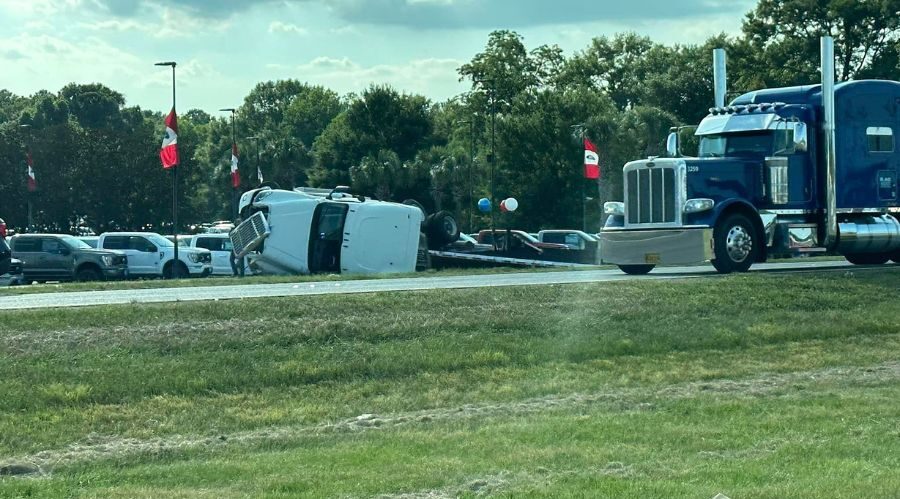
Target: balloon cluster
<point x="508" y="205"/>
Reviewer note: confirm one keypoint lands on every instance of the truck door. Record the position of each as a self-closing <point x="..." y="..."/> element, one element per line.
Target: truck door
<point x="146" y="255"/>
<point x="57" y="258"/>
<point x="326" y="237"/>
<point x="28" y="249"/>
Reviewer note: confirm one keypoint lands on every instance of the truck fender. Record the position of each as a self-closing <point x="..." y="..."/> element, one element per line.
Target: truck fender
<point x="729" y="206"/>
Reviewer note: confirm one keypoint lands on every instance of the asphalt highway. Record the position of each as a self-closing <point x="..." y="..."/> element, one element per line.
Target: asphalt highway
<point x="184" y="294"/>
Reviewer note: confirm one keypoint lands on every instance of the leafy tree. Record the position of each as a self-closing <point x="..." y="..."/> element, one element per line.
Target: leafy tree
<point x="787" y="33"/>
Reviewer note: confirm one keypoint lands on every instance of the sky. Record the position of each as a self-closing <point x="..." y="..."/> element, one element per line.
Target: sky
<point x="223" y="48"/>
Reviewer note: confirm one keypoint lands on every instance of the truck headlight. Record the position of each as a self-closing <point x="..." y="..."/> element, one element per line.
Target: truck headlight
<point x="698" y="205"/>
<point x="108" y="260"/>
<point x="195" y="257"/>
<point x="614" y="208"/>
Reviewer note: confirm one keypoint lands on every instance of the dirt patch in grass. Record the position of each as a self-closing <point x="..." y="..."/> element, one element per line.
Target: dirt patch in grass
<point x="99" y="447"/>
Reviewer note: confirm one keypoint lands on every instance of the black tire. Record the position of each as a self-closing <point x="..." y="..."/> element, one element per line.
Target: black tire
<point x="636" y="269"/>
<point x="735" y="243"/>
<point x="180" y="270"/>
<point x="441" y="229"/>
<point x="867" y="258"/>
<point x="88" y="274"/>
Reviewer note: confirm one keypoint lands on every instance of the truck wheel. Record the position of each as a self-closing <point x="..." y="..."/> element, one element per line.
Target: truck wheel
<point x="441" y="229"/>
<point x="734" y="240"/>
<point x="636" y="269"/>
<point x="180" y="270"/>
<point x="867" y="258"/>
<point x="87" y="274"/>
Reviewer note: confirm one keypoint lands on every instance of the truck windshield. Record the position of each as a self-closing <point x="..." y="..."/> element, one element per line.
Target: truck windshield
<point x="736" y="144"/>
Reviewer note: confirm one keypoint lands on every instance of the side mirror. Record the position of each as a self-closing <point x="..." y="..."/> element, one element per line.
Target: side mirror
<point x="672" y="145"/>
<point x="151" y="248"/>
<point x="800" y="139"/>
<point x="65" y="251"/>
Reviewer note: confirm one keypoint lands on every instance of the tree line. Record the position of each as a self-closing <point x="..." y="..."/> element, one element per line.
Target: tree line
<point x="97" y="163"/>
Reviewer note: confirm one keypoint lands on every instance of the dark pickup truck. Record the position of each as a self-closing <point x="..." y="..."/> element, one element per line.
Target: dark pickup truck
<point x="54" y="257"/>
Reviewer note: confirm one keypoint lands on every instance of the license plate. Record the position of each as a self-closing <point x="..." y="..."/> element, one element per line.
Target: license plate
<point x="651" y="257"/>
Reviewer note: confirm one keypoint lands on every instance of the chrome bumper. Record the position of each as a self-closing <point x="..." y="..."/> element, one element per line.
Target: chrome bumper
<point x="662" y="246"/>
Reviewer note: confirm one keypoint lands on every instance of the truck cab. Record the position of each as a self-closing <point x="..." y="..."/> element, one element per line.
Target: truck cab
<point x="318" y="231"/>
<point x="774" y="175"/>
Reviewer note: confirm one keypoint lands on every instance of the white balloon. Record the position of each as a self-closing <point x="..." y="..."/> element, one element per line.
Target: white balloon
<point x="511" y="204"/>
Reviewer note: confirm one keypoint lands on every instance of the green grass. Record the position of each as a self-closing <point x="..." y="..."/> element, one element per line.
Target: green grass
<point x="751" y="385"/>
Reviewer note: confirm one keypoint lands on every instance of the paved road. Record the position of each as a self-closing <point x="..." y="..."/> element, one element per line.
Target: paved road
<point x="162" y="295"/>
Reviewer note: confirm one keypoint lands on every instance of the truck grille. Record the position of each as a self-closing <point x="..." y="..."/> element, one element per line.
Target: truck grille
<point x="650" y="196"/>
<point x="247" y="236"/>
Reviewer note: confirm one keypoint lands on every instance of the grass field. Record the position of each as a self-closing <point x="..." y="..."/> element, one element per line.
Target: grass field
<point x="762" y="386"/>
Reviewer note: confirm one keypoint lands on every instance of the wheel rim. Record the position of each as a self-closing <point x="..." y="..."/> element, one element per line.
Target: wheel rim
<point x="738" y="243"/>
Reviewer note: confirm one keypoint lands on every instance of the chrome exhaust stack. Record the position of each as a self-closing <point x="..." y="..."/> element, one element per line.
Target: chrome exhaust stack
<point x="720" y="77"/>
<point x="831" y="226"/>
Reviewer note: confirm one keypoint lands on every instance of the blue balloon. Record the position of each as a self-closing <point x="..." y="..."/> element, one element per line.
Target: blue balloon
<point x="484" y="205"/>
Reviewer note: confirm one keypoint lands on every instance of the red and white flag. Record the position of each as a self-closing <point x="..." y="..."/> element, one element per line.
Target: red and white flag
<point x="32" y="181"/>
<point x="235" y="176"/>
<point x="591" y="161"/>
<point x="169" y="152"/>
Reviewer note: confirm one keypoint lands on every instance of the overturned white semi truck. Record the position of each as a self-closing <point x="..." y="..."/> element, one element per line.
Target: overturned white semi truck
<point x="307" y="231"/>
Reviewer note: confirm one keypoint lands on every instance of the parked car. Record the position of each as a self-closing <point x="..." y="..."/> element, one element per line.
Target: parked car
<point x="467" y="244"/>
<point x="520" y="244"/>
<point x="90" y="240"/>
<point x="55" y="257"/>
<point x="585" y="246"/>
<point x="220" y="246"/>
<point x="152" y="255"/>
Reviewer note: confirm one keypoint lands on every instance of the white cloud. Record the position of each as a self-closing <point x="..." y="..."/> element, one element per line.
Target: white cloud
<point x="169" y="23"/>
<point x="433" y="77"/>
<point x="280" y="27"/>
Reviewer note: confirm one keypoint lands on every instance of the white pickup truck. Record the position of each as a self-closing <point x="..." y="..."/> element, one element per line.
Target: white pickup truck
<point x="312" y="231"/>
<point x="152" y="255"/>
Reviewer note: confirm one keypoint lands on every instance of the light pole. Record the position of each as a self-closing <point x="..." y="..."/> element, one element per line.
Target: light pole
<point x="234" y="188"/>
<point x="579" y="129"/>
<point x="176" y="266"/>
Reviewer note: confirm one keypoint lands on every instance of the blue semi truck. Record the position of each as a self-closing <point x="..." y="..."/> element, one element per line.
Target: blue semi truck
<point x="779" y="172"/>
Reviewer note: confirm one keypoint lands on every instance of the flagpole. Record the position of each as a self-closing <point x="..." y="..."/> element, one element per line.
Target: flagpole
<point x="583" y="208"/>
<point x="234" y="190"/>
<point x="176" y="267"/>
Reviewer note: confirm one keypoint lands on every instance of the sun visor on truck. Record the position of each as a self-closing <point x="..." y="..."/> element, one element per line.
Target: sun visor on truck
<point x="724" y="123"/>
